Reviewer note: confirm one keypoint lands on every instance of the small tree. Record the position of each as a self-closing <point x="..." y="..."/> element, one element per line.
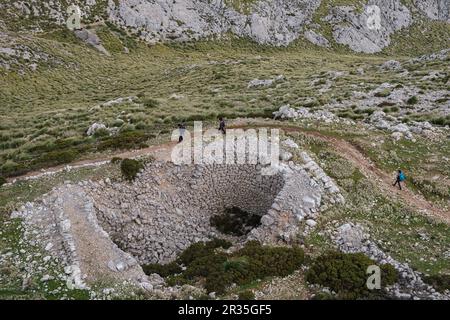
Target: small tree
<point x="130" y="168"/>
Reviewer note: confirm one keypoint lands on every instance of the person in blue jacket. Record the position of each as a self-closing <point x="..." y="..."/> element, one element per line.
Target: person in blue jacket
<point x="400" y="178"/>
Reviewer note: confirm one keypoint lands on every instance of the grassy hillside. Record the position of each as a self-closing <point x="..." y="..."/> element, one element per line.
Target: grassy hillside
<point x="46" y="113"/>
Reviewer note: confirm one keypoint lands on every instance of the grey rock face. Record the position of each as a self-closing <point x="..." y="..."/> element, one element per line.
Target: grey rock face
<point x="317" y="38"/>
<point x="273" y="22"/>
<point x="351" y="28"/>
<point x="92" y="39"/>
<point x="277" y="22"/>
<point x="435" y="9"/>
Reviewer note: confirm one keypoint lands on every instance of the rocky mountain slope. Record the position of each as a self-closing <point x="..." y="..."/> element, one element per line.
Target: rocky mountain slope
<point x="274" y="22"/>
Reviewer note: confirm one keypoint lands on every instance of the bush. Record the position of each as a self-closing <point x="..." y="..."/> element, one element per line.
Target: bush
<point x="116" y="160"/>
<point x="218" y="282"/>
<point x="440" y="282"/>
<point x="412" y="100"/>
<point x="346" y="275"/>
<point x="2" y="181"/>
<point x="57" y="157"/>
<point x="164" y="270"/>
<point x="383" y="93"/>
<point x="235" y="221"/>
<point x="102" y="132"/>
<point x="124" y="140"/>
<point x="205" y="266"/>
<point x="201" y="249"/>
<point x="441" y="121"/>
<point x="219" y="269"/>
<point x="151" y="103"/>
<point x="130" y="168"/>
<point x="246" y="295"/>
<point x="272" y="261"/>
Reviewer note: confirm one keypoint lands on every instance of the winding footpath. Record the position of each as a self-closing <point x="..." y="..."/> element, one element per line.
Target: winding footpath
<point x="341" y="146"/>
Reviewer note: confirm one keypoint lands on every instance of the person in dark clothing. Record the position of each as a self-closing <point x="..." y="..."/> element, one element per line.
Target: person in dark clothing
<point x="181" y="129"/>
<point x="400" y="178"/>
<point x="222" y="125"/>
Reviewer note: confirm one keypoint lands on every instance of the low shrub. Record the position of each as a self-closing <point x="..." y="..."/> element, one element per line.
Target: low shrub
<point x="151" y="103"/>
<point x="235" y="221"/>
<point x="2" y="181"/>
<point x="164" y="270"/>
<point x="441" y="121"/>
<point x="383" y="93"/>
<point x="130" y="168"/>
<point x="272" y="261"/>
<point x="345" y="274"/>
<point x="246" y="295"/>
<point x="124" y="140"/>
<point x="57" y="157"/>
<point x="201" y="249"/>
<point x="102" y="132"/>
<point x="412" y="100"/>
<point x="440" y="282"/>
<point x="219" y="269"/>
<point x="205" y="266"/>
<point x="116" y="160"/>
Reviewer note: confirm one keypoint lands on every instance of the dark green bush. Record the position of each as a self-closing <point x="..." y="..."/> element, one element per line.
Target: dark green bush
<point x="440" y="282"/>
<point x="130" y="168"/>
<point x="151" y="103"/>
<point x="235" y="221"/>
<point x="441" y="121"/>
<point x="346" y="274"/>
<point x="57" y="157"/>
<point x="412" y="100"/>
<point x="2" y="181"/>
<point x="116" y="160"/>
<point x="101" y="133"/>
<point x="218" y="282"/>
<point x="177" y="280"/>
<point x="246" y="295"/>
<point x="164" y="270"/>
<point x="272" y="261"/>
<point x="219" y="269"/>
<point x="124" y="140"/>
<point x="383" y="93"/>
<point x="201" y="249"/>
<point x="205" y="266"/>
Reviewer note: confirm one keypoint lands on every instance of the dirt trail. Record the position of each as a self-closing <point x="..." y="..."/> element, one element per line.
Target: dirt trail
<point x="367" y="167"/>
<point x="161" y="152"/>
<point x="384" y="180"/>
<point x="345" y="149"/>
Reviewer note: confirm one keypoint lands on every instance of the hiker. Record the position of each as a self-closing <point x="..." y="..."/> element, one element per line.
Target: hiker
<point x="181" y="130"/>
<point x="400" y="178"/>
<point x="222" y="125"/>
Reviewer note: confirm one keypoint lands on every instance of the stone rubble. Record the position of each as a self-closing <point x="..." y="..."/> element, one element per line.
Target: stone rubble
<point x="286" y="112"/>
<point x="257" y="83"/>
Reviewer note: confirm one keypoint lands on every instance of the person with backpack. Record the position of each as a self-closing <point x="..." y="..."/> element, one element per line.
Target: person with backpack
<point x="181" y="129"/>
<point x="222" y="125"/>
<point x="400" y="178"/>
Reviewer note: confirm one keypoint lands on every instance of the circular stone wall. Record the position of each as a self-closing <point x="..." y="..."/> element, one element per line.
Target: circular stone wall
<point x="169" y="207"/>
